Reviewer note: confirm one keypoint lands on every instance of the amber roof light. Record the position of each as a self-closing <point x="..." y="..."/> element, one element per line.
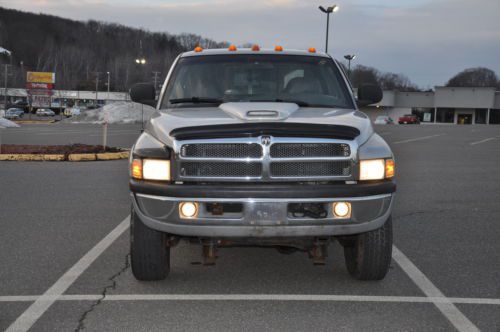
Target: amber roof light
<point x="312" y="50"/>
<point x="232" y="48"/>
<point x="255" y="47"/>
<point x="198" y="49"/>
<point x="278" y="48"/>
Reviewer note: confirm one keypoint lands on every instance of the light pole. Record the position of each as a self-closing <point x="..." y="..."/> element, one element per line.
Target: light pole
<point x="96" y="86"/>
<point x="108" y="83"/>
<point x="328" y="11"/>
<point x="349" y="58"/>
<point x="6" y="67"/>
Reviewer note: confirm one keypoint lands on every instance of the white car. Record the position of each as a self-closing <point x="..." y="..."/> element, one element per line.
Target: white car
<point x="383" y="119"/>
<point x="45" y="112"/>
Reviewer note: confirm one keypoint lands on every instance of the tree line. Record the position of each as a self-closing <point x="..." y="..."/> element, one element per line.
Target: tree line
<point x="79" y="52"/>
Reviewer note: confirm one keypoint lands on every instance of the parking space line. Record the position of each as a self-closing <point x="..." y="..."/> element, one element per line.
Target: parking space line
<point x="483" y="141"/>
<point x="255" y="297"/>
<point x="418" y="139"/>
<point x="447" y="308"/>
<point x="43" y="303"/>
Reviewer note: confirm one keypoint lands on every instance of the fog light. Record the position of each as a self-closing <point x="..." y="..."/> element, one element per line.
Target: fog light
<point x="342" y="210"/>
<point x="188" y="210"/>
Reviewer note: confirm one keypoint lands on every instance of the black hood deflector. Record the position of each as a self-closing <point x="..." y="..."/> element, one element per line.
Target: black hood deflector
<point x="282" y="129"/>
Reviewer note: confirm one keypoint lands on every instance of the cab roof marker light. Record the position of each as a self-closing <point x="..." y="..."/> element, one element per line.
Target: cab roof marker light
<point x="198" y="49"/>
<point x="232" y="48"/>
<point x="278" y="48"/>
<point x="255" y="47"/>
<point x="312" y="50"/>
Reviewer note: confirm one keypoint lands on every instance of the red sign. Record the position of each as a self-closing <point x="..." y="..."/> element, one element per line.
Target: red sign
<point x="47" y="86"/>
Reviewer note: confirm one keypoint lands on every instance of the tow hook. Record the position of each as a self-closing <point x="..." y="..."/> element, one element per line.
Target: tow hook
<point x="209" y="253"/>
<point x="319" y="252"/>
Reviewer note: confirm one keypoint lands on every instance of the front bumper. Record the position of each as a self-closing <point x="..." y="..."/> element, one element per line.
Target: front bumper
<point x="265" y="214"/>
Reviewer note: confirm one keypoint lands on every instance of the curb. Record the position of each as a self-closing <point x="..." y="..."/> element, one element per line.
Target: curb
<point x="61" y="157"/>
<point x="34" y="121"/>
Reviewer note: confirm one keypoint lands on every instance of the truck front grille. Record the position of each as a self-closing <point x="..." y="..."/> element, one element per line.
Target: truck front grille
<point x="303" y="150"/>
<point x="311" y="169"/>
<point x="221" y="169"/>
<point x="221" y="150"/>
<point x="264" y="158"/>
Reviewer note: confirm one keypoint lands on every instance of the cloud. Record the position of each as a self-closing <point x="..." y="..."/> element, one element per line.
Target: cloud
<point x="430" y="41"/>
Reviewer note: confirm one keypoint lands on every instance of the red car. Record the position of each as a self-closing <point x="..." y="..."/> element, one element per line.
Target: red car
<point x="409" y="119"/>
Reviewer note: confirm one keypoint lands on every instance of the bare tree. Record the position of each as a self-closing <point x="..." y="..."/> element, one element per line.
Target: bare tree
<point x="475" y="77"/>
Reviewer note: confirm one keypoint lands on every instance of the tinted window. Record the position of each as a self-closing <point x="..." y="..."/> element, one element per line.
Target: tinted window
<point x="212" y="79"/>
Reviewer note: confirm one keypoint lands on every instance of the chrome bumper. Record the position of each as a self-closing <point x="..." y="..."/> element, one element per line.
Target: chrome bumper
<point x="261" y="217"/>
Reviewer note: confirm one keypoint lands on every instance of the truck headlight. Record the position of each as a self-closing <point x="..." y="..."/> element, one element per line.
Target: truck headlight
<point x="150" y="169"/>
<point x="376" y="169"/>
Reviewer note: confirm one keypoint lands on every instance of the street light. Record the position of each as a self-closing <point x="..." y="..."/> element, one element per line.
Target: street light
<point x="328" y="11"/>
<point x="6" y="67"/>
<point x="108" y="83"/>
<point x="349" y="58"/>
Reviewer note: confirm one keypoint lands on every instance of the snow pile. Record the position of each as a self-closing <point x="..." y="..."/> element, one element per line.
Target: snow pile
<point x="4" y="123"/>
<point x="118" y="112"/>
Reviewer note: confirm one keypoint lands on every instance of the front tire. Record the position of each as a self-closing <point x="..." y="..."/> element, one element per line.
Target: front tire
<point x="149" y="253"/>
<point x="368" y="255"/>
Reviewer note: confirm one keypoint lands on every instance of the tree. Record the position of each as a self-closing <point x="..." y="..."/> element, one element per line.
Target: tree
<point x="474" y="77"/>
<point x="387" y="81"/>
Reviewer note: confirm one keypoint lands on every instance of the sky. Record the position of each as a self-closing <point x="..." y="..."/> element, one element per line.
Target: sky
<point x="428" y="41"/>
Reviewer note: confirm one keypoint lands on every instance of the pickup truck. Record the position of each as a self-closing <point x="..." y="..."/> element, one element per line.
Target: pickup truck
<point x="260" y="147"/>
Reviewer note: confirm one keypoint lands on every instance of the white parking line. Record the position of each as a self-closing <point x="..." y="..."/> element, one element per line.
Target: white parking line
<point x="43" y="303"/>
<point x="254" y="297"/>
<point x="483" y="141"/>
<point x="418" y="139"/>
<point x="447" y="308"/>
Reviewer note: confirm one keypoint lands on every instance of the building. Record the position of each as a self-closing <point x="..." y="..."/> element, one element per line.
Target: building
<point x="443" y="105"/>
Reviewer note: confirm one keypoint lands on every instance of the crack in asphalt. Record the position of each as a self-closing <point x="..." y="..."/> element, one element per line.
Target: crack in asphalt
<point x="83" y="317"/>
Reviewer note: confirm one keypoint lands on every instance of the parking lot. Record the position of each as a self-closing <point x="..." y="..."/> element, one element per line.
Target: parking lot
<point x="64" y="249"/>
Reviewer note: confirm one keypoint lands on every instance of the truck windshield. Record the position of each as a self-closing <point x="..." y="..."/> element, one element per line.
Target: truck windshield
<point x="209" y="80"/>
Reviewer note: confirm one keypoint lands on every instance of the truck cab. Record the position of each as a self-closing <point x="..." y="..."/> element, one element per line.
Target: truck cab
<point x="260" y="147"/>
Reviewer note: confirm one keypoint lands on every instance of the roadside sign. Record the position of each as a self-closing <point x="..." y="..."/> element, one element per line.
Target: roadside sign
<point x="45" y="86"/>
<point x="40" y="77"/>
<point x="427" y="117"/>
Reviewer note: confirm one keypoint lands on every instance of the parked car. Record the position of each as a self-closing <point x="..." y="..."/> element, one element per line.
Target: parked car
<point x="72" y="111"/>
<point x="383" y="119"/>
<point x="409" y="119"/>
<point x="45" y="112"/>
<point x="14" y="113"/>
<point x="226" y="161"/>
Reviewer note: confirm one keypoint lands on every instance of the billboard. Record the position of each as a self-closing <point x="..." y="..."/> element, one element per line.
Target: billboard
<point x="40" y="77"/>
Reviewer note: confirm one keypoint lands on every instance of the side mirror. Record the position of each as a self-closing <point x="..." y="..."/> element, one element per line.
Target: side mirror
<point x="143" y="93"/>
<point x="369" y="94"/>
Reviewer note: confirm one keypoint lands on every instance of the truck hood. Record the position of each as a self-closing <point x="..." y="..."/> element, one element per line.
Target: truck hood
<point x="164" y="121"/>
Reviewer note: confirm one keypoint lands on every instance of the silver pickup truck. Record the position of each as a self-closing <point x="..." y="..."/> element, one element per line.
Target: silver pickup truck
<point x="257" y="147"/>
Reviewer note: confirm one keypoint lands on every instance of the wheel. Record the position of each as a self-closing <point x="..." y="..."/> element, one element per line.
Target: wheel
<point x="368" y="255"/>
<point x="149" y="253"/>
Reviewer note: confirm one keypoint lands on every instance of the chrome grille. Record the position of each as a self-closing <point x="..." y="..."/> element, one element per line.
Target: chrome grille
<point x="220" y="169"/>
<point x="311" y="169"/>
<point x="264" y="158"/>
<point x="229" y="150"/>
<point x="304" y="150"/>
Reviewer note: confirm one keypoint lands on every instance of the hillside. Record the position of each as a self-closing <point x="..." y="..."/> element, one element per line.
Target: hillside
<point x="76" y="50"/>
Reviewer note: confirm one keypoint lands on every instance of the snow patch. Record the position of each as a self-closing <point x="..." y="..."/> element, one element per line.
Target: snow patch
<point x="4" y="123"/>
<point x="118" y="112"/>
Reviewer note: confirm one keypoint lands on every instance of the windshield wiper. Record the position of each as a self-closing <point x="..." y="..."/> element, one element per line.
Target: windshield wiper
<point x="196" y="100"/>
<point x="278" y="100"/>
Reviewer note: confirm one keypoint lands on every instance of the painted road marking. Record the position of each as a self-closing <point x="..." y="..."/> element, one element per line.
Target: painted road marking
<point x="447" y="308"/>
<point x="43" y="303"/>
<point x="418" y="139"/>
<point x="483" y="141"/>
<point x="254" y="297"/>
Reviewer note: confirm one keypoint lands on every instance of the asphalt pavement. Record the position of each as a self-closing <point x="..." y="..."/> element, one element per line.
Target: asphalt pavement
<point x="64" y="249"/>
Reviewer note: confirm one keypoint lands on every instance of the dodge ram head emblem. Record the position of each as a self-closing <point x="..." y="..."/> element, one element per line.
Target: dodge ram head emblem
<point x="265" y="140"/>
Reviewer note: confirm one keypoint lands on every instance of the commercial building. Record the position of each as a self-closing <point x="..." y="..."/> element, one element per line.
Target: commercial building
<point x="443" y="105"/>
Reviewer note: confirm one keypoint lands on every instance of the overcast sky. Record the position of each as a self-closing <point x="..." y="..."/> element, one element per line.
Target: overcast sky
<point x="429" y="41"/>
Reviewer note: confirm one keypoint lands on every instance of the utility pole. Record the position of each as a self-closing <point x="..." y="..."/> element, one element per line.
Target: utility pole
<point x="6" y="74"/>
<point x="108" y="83"/>
<point x="156" y="73"/>
<point x="96" y="86"/>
